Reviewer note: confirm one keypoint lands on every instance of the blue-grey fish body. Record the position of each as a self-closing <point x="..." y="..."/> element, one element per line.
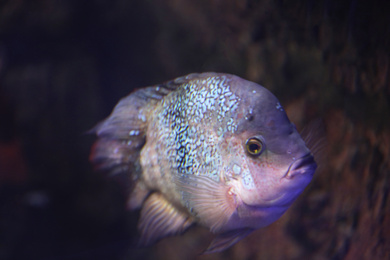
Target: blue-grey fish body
<point x="211" y="149"/>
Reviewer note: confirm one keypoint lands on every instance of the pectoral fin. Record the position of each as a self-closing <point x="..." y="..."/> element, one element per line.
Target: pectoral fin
<point x="212" y="202"/>
<point x="226" y="240"/>
<point x="159" y="218"/>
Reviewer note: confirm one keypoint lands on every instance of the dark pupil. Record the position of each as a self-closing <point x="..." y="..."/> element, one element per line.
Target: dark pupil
<point x="254" y="147"/>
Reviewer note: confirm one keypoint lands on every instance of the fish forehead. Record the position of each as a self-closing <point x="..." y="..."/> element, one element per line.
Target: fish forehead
<point x="262" y="110"/>
<point x="261" y="114"/>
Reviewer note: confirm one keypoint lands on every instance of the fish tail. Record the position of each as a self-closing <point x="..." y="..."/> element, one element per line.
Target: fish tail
<point x="122" y="135"/>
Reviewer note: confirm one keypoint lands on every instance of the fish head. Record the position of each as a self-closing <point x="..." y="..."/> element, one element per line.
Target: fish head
<point x="275" y="165"/>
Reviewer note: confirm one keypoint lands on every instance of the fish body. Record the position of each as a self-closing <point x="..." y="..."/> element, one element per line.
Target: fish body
<point x="210" y="149"/>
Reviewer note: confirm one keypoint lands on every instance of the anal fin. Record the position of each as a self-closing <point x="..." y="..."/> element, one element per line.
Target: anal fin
<point x="159" y="218"/>
<point x="226" y="240"/>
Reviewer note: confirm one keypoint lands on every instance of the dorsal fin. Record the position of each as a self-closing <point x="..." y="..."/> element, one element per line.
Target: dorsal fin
<point x="129" y="117"/>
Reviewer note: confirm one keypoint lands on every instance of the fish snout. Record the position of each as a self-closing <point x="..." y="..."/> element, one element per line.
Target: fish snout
<point x="302" y="166"/>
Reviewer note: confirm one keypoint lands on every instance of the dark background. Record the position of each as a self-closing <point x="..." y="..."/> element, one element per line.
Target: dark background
<point x="65" y="64"/>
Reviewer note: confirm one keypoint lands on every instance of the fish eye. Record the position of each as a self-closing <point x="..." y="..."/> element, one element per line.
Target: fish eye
<point x="254" y="146"/>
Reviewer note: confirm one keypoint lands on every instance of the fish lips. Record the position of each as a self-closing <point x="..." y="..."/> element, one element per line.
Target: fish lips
<point x="304" y="165"/>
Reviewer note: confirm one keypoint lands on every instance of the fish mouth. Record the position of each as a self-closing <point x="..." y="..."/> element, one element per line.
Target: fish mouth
<point x="302" y="166"/>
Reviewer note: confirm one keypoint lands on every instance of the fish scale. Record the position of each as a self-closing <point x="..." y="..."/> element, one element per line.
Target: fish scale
<point x="180" y="108"/>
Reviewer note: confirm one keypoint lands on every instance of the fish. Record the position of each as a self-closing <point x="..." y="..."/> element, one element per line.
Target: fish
<point x="208" y="149"/>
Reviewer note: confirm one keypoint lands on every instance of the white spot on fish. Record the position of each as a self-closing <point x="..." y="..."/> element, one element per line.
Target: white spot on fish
<point x="142" y="117"/>
<point x="279" y="107"/>
<point x="236" y="169"/>
<point x="247" y="180"/>
<point x="134" y="132"/>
